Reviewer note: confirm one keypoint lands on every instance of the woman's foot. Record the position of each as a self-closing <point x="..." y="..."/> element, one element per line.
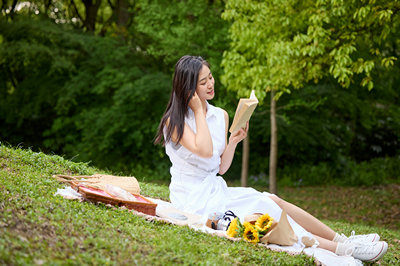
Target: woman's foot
<point x="371" y="251"/>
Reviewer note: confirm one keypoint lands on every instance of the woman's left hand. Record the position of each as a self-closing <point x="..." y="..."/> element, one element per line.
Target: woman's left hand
<point x="239" y="135"/>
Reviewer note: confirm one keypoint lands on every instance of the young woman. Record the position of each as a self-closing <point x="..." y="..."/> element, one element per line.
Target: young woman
<point x="194" y="133"/>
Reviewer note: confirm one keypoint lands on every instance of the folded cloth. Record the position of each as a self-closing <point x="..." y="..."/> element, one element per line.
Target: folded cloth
<point x="68" y="193"/>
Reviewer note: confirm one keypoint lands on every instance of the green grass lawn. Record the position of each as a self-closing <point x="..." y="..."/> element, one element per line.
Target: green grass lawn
<point x="37" y="227"/>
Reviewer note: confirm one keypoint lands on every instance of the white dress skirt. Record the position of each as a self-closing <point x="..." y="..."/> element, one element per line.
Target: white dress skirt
<point x="196" y="188"/>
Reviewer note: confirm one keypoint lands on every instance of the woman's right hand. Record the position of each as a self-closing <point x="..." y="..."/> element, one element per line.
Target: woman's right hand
<point x="195" y="103"/>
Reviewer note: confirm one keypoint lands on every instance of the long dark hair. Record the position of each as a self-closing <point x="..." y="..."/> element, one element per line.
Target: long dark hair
<point x="183" y="88"/>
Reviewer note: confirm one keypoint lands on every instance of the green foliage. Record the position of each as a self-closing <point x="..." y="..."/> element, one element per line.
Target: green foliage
<point x="106" y="95"/>
<point x="325" y="127"/>
<point x="353" y="44"/>
<point x="176" y="28"/>
<point x="98" y="17"/>
<point x="36" y="60"/>
<point x="345" y="173"/>
<point x="374" y="172"/>
<point x="98" y="100"/>
<point x="169" y="30"/>
<point x="305" y="41"/>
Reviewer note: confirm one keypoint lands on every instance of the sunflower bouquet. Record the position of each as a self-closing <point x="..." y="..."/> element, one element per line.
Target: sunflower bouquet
<point x="253" y="229"/>
<point x="263" y="228"/>
<point x="235" y="228"/>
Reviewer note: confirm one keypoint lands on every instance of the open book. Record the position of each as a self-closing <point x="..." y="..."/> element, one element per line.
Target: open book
<point x="244" y="111"/>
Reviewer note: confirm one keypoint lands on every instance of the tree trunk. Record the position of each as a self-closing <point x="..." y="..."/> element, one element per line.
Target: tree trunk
<point x="12" y="9"/>
<point x="47" y="4"/>
<point x="122" y="12"/>
<point x="91" y="9"/>
<point x="273" y="153"/>
<point x="245" y="161"/>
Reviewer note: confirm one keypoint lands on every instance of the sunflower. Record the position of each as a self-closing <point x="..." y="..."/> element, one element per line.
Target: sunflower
<point x="264" y="222"/>
<point x="235" y="228"/>
<point x="250" y="233"/>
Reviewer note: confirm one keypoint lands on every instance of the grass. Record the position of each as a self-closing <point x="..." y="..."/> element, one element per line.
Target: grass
<point x="368" y="205"/>
<point x="37" y="227"/>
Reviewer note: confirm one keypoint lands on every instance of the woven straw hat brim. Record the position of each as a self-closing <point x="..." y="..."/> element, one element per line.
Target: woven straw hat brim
<point x="128" y="183"/>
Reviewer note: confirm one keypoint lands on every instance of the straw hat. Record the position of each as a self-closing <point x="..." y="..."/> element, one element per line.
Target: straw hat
<point x="99" y="181"/>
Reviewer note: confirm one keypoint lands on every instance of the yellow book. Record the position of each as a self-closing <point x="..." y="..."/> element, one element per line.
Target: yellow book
<point x="243" y="112"/>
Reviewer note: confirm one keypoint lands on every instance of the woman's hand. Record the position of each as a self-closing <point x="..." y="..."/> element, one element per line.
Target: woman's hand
<point x="195" y="103"/>
<point x="239" y="135"/>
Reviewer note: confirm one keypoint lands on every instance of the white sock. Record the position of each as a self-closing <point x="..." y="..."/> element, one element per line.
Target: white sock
<point x="344" y="249"/>
<point x="339" y="238"/>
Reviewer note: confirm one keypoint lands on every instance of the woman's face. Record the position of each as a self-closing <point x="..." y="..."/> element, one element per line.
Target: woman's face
<point x="205" y="84"/>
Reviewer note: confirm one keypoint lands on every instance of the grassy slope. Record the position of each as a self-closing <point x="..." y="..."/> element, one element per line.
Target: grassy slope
<point x="39" y="228"/>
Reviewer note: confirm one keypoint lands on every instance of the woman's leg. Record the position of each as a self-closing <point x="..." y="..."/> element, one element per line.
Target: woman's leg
<point x="326" y="244"/>
<point x="366" y="251"/>
<point x="306" y="220"/>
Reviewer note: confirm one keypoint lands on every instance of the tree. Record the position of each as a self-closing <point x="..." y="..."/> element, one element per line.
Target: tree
<point x="176" y="28"/>
<point x="93" y="94"/>
<point x="95" y="16"/>
<point x="282" y="45"/>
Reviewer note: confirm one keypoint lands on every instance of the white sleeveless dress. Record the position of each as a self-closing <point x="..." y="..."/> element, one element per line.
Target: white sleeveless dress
<point x="196" y="188"/>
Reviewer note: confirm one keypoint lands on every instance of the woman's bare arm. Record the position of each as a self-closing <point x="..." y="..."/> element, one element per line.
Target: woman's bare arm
<point x="230" y="147"/>
<point x="199" y="143"/>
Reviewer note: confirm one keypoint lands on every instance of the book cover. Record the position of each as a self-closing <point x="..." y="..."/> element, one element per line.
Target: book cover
<point x="243" y="112"/>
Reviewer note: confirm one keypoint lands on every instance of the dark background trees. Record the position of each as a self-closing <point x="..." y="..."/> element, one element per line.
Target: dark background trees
<point x="89" y="80"/>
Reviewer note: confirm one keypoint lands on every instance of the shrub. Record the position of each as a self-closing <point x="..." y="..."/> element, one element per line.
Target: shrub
<point x="349" y="173"/>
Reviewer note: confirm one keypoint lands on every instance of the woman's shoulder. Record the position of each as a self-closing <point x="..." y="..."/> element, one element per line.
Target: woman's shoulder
<point x="224" y="112"/>
<point x="221" y="113"/>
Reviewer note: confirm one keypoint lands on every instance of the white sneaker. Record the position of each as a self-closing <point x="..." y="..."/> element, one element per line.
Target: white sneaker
<point x="368" y="251"/>
<point x="362" y="238"/>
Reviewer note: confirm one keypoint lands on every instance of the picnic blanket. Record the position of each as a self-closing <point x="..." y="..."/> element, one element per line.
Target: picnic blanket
<point x="165" y="212"/>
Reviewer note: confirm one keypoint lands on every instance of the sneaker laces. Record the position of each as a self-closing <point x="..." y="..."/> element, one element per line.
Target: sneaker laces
<point x="353" y="238"/>
<point x="363" y="238"/>
<point x="362" y="248"/>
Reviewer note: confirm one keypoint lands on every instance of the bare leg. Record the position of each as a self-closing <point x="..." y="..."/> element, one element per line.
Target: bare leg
<point x="306" y="220"/>
<point x="326" y="244"/>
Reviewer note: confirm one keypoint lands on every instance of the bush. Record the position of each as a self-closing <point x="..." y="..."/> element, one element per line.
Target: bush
<point x="348" y="173"/>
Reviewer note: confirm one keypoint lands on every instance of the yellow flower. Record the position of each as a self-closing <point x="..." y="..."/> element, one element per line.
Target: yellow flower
<point x="250" y="233"/>
<point x="235" y="228"/>
<point x="264" y="222"/>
